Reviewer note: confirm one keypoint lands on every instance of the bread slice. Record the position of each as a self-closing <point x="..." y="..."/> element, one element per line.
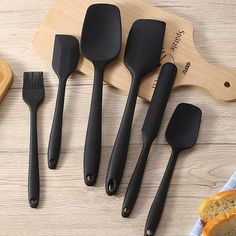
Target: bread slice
<point x="220" y="204"/>
<point x="221" y="225"/>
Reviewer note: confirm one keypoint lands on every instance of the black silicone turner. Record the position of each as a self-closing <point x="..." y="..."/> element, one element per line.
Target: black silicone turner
<point x="100" y="43"/>
<point x="142" y="55"/>
<point x="181" y="134"/>
<point x="150" y="131"/>
<point x="65" y="60"/>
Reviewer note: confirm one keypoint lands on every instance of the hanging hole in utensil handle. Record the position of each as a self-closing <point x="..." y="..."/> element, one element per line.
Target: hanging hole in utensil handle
<point x="126" y="212"/>
<point x="111" y="187"/>
<point x="34" y="203"/>
<point x="90" y="180"/>
<point x="149" y="232"/>
<point x="52" y="164"/>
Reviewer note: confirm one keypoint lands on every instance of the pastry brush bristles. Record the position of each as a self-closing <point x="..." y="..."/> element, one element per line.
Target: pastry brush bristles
<point x="33" y="80"/>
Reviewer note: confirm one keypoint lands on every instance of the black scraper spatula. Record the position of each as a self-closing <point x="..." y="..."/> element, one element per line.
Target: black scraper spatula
<point x="181" y="134"/>
<point x="100" y="43"/>
<point x="65" y="60"/>
<point x="150" y="131"/>
<point x="142" y="55"/>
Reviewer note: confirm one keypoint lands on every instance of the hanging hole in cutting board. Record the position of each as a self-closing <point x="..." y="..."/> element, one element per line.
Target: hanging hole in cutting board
<point x="227" y="84"/>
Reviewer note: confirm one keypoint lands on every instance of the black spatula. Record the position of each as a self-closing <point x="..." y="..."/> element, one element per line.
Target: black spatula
<point x="65" y="60"/>
<point x="181" y="134"/>
<point x="100" y="43"/>
<point x="150" y="131"/>
<point x="142" y="55"/>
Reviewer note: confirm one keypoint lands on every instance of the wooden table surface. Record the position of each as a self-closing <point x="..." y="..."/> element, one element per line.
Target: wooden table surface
<point x="68" y="207"/>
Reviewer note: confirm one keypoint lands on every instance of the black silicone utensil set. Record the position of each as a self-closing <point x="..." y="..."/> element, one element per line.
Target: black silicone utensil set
<point x="101" y="42"/>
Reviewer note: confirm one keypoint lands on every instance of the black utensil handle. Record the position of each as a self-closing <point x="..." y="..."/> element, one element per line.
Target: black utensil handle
<point x="158" y="204"/>
<point x="159" y="102"/>
<point x="54" y="146"/>
<point x="92" y="151"/>
<point x="120" y="149"/>
<point x="135" y="182"/>
<point x="33" y="175"/>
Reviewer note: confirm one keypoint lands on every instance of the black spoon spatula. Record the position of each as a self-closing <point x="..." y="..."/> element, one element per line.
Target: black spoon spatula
<point x="150" y="131"/>
<point x="181" y="134"/>
<point x="142" y="55"/>
<point x="65" y="60"/>
<point x="100" y="43"/>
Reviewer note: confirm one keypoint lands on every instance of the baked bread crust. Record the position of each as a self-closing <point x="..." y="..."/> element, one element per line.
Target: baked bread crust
<point x="220" y="204"/>
<point x="215" y="226"/>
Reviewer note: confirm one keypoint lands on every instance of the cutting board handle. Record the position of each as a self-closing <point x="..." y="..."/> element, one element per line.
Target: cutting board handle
<point x="220" y="82"/>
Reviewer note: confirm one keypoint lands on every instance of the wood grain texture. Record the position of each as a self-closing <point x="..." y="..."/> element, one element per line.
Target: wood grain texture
<point x="6" y="78"/>
<point x="68" y="207"/>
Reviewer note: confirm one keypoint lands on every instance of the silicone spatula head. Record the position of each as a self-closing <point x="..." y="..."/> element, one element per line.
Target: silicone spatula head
<point x="65" y="55"/>
<point x="144" y="46"/>
<point x="101" y="35"/>
<point x="182" y="131"/>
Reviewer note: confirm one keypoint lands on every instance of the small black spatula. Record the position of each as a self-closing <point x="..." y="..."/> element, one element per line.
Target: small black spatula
<point x="65" y="60"/>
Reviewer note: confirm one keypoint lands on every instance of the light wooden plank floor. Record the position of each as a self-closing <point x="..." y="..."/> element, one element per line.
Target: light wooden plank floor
<point x="67" y="207"/>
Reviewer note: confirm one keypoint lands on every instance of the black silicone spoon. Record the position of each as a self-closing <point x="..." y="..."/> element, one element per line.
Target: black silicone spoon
<point x="65" y="60"/>
<point x="150" y="131"/>
<point x="181" y="134"/>
<point x="100" y="43"/>
<point x="142" y="55"/>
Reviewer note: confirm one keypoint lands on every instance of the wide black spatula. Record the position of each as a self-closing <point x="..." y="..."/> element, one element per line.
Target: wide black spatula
<point x="142" y="55"/>
<point x="100" y="43"/>
<point x="65" y="60"/>
<point x="181" y="134"/>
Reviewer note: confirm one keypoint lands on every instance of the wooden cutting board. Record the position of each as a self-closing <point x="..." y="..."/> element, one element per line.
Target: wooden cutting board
<point x="6" y="78"/>
<point x="67" y="16"/>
